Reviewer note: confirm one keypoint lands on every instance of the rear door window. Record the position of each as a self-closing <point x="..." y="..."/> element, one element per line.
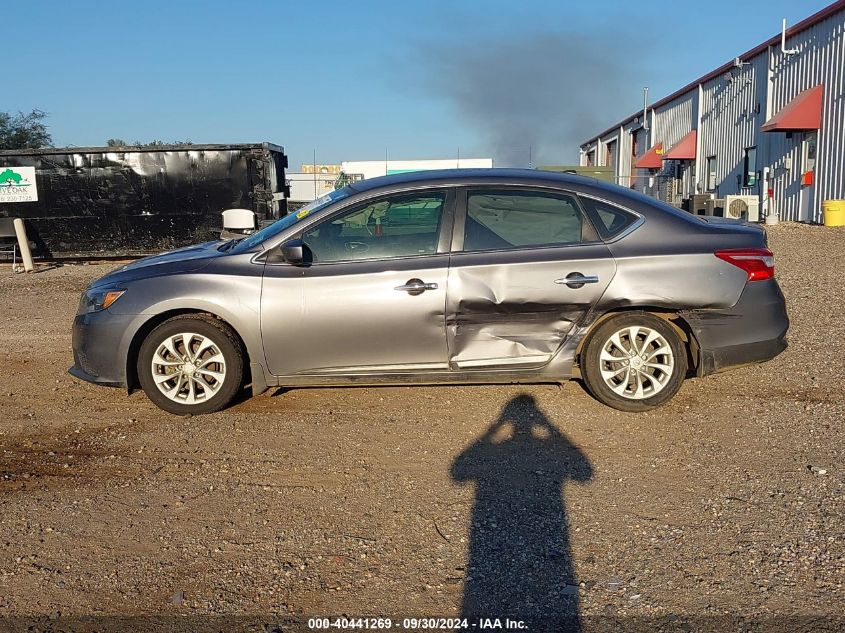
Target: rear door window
<point x="509" y="219"/>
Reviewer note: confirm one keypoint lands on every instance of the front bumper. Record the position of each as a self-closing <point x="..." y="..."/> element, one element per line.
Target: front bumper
<point x="99" y="347"/>
<point x="752" y="331"/>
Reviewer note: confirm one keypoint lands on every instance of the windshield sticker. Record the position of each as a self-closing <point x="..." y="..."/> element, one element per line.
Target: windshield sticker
<point x="302" y="214"/>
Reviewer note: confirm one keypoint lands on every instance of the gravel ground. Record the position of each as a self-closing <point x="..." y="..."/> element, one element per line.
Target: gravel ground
<point x="428" y="501"/>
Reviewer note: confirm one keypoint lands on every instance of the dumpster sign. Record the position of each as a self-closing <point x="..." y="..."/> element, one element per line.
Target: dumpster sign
<point x="17" y="184"/>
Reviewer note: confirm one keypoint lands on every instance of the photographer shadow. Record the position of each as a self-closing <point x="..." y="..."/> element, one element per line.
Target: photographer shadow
<point x="519" y="561"/>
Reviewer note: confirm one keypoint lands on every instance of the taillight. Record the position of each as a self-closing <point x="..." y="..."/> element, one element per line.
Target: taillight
<point x="759" y="263"/>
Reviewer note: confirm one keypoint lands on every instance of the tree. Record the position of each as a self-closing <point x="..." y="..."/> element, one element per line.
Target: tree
<point x="24" y="131"/>
<point x="119" y="142"/>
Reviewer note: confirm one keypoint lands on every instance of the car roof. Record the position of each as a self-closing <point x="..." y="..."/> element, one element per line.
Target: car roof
<point x="626" y="197"/>
<point x="476" y="176"/>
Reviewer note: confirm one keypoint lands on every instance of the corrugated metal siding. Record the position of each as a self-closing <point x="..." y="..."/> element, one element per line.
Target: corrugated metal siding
<point x="820" y="60"/>
<point x="623" y="163"/>
<point x="732" y="111"/>
<point x="672" y="122"/>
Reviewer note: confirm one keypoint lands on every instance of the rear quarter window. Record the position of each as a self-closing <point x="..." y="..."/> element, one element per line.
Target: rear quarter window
<point x="609" y="219"/>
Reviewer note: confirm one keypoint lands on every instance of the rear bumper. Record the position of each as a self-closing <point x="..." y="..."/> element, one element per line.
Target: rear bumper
<point x="99" y="347"/>
<point x="752" y="331"/>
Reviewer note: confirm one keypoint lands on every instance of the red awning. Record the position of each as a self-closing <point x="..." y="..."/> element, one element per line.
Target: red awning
<point x="683" y="149"/>
<point x="652" y="159"/>
<point x="804" y="112"/>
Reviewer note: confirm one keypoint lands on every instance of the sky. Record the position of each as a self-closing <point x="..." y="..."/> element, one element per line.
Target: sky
<point x="519" y="80"/>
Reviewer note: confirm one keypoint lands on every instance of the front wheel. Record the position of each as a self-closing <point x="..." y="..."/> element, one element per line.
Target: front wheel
<point x="634" y="362"/>
<point x="191" y="364"/>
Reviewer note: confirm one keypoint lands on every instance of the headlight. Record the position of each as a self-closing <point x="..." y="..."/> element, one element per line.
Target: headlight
<point x="100" y="299"/>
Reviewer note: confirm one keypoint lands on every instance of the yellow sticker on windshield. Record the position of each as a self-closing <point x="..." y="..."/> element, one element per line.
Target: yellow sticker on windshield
<point x="302" y="214"/>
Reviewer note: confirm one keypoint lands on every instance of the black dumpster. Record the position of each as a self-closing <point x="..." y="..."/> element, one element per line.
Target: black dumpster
<point x="126" y="201"/>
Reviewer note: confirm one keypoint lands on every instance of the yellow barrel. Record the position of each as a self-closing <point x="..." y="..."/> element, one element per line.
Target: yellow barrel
<point x="834" y="212"/>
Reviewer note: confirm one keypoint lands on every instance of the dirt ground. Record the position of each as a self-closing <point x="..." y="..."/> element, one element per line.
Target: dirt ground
<point x="427" y="501"/>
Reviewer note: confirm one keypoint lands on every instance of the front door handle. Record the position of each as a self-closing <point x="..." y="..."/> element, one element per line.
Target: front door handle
<point x="577" y="280"/>
<point x="416" y="286"/>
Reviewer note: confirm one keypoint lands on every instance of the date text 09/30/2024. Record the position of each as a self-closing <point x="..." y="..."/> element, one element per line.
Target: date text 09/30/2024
<point x="410" y="624"/>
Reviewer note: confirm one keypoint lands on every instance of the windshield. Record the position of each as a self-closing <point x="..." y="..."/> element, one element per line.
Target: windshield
<point x="271" y="230"/>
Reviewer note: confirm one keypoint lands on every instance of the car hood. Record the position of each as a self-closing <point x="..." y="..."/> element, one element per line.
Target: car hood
<point x="188" y="253"/>
<point x="181" y="260"/>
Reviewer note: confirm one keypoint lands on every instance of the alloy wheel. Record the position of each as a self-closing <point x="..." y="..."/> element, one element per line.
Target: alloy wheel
<point x="636" y="362"/>
<point x="188" y="368"/>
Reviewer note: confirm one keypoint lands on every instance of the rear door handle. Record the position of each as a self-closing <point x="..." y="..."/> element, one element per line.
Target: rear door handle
<point x="577" y="280"/>
<point x="416" y="286"/>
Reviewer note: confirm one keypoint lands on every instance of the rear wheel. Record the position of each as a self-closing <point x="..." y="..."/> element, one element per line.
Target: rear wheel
<point x="634" y="362"/>
<point x="191" y="364"/>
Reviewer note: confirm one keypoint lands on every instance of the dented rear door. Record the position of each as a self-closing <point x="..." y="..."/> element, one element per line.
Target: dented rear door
<point x="526" y="267"/>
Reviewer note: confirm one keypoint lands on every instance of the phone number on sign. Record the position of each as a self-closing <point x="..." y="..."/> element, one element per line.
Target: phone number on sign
<point x="386" y="624"/>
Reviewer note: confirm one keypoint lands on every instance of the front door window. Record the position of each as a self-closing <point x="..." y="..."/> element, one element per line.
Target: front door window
<point x="405" y="225"/>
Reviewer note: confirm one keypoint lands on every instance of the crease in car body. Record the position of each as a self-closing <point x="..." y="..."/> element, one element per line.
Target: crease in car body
<point x="510" y="332"/>
<point x="516" y="313"/>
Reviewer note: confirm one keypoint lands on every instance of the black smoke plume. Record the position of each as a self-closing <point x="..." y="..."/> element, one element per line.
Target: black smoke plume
<point x="536" y="97"/>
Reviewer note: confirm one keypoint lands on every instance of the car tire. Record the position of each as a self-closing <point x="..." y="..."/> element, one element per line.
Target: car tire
<point x="634" y="362"/>
<point x="191" y="365"/>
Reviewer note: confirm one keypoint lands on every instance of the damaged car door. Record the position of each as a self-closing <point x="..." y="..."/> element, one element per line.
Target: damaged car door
<point x="526" y="266"/>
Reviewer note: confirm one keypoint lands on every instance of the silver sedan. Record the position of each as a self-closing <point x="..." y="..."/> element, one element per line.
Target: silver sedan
<point x="458" y="276"/>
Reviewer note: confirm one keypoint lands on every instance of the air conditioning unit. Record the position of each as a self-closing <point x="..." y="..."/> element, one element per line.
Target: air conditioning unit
<point x="716" y="207"/>
<point x="698" y="203"/>
<point x="742" y="208"/>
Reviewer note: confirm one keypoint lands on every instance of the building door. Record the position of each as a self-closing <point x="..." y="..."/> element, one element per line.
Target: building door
<point x="635" y="143"/>
<point x="610" y="156"/>
<point x="809" y="141"/>
<point x="680" y="182"/>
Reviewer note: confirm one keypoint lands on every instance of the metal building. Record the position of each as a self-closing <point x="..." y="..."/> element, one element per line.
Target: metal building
<point x="762" y="134"/>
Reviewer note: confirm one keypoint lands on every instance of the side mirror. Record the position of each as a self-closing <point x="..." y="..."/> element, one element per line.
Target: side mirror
<point x="294" y="252"/>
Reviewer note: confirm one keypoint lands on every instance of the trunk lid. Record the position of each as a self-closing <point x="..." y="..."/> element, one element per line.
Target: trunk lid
<point x="755" y="232"/>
